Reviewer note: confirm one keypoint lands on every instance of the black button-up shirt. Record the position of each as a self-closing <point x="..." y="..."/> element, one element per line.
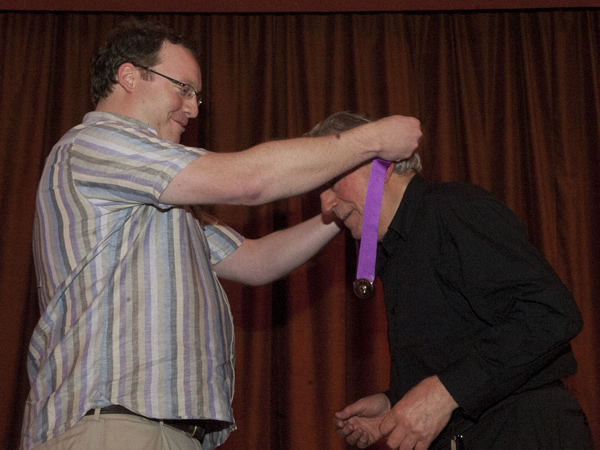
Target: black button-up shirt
<point x="470" y="299"/>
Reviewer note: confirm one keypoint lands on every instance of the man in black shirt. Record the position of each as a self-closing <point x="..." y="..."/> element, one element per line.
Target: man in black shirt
<point x="479" y="323"/>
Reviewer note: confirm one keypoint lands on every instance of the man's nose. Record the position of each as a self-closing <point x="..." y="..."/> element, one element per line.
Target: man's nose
<point x="191" y="107"/>
<point x="328" y="201"/>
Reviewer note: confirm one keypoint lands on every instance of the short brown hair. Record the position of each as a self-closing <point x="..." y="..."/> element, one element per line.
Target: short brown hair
<point x="134" y="41"/>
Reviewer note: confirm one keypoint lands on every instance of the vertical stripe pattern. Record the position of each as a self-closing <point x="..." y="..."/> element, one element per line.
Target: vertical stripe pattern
<point x="132" y="313"/>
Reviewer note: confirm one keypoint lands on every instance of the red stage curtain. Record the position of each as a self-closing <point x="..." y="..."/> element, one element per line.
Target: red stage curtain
<point x="508" y="100"/>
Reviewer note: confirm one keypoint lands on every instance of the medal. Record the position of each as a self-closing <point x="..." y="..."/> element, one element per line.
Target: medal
<point x="367" y="253"/>
<point x="363" y="288"/>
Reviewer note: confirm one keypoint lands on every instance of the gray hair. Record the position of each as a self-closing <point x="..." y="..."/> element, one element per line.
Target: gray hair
<point x="345" y="120"/>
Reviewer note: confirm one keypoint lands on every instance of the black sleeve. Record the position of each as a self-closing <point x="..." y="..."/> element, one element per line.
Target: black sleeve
<point x="531" y="316"/>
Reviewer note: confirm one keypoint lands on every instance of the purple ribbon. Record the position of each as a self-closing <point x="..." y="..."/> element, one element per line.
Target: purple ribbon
<point x="367" y="254"/>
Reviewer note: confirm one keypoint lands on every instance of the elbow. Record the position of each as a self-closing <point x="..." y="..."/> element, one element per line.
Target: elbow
<point x="576" y="323"/>
<point x="572" y="314"/>
<point x="571" y="323"/>
<point x="254" y="198"/>
<point x="250" y="192"/>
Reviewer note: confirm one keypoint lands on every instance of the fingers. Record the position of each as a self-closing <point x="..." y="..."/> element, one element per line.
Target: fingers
<point x="403" y="438"/>
<point x="364" y="440"/>
<point x="408" y="443"/>
<point x="399" y="137"/>
<point x="412" y="134"/>
<point x="339" y="422"/>
<point x="346" y="430"/>
<point x="356" y="437"/>
<point x="359" y="422"/>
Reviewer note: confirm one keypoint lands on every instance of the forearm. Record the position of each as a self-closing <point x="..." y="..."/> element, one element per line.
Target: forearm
<point x="261" y="261"/>
<point x="524" y="315"/>
<point x="506" y="361"/>
<point x="280" y="169"/>
<point x="263" y="173"/>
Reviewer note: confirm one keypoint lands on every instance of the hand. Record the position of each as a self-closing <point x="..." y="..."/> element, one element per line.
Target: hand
<point x="399" y="136"/>
<point x="359" y="422"/>
<point x="416" y="420"/>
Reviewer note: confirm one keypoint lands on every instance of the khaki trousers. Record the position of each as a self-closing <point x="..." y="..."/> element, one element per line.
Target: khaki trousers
<point x="121" y="432"/>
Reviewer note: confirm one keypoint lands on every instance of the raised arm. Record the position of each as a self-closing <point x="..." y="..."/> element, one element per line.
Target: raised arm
<point x="280" y="169"/>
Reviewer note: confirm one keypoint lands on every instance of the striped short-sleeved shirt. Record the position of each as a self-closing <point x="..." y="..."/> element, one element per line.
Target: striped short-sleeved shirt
<point x="132" y="312"/>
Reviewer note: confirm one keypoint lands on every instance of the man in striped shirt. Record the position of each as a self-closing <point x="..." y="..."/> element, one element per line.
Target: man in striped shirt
<point x="134" y="348"/>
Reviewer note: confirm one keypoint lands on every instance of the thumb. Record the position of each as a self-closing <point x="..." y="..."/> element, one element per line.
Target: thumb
<point x="387" y="425"/>
<point x="350" y="410"/>
<point x="344" y="414"/>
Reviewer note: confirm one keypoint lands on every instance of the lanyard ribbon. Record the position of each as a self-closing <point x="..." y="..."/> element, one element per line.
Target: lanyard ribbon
<point x="367" y="254"/>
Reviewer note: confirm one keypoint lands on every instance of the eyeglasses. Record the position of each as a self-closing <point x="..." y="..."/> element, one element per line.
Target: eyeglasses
<point x="186" y="90"/>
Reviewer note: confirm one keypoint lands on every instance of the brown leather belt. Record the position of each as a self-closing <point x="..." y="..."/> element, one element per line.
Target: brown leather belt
<point x="196" y="428"/>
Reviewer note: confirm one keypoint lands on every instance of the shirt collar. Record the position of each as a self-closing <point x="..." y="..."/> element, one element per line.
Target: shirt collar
<point x="401" y="224"/>
<point x="99" y="116"/>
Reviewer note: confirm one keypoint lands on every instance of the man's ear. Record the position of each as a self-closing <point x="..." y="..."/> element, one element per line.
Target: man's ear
<point x="127" y="76"/>
<point x="388" y="171"/>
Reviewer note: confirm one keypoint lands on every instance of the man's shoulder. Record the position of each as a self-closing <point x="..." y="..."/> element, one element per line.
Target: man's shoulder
<point x="451" y="198"/>
<point x="459" y="191"/>
<point x="112" y="120"/>
<point x="101" y="129"/>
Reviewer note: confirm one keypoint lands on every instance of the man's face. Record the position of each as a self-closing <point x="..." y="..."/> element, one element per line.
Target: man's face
<point x="164" y="108"/>
<point x="346" y="199"/>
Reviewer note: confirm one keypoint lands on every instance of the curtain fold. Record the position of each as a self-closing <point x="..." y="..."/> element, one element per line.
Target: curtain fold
<point x="508" y="100"/>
